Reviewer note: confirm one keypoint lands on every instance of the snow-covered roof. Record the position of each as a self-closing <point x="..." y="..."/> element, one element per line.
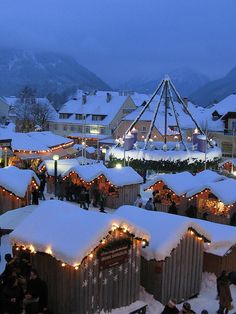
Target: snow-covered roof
<point x="199" y="114"/>
<point x="33" y="141"/>
<point x="224" y="190"/>
<point x="118" y="177"/>
<point x="96" y="104"/>
<point x="69" y="232"/>
<point x="12" y="218"/>
<point x="166" y="230"/>
<point x="226" y="105"/>
<point x="183" y="182"/>
<point x="223" y="237"/>
<point x="16" y="180"/>
<point x="64" y="166"/>
<point x="88" y="149"/>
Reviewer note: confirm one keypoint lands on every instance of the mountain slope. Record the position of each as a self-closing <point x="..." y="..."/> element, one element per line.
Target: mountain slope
<point x="47" y="72"/>
<point x="216" y="90"/>
<point x="185" y="80"/>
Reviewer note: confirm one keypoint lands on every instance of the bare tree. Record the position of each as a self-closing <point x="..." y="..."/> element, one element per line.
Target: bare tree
<point x="30" y="113"/>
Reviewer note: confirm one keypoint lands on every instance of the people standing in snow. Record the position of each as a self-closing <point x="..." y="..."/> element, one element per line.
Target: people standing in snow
<point x="149" y="204"/>
<point x="36" y="295"/>
<point x="35" y="197"/>
<point x="170" y="307"/>
<point x="102" y="201"/>
<point x="186" y="309"/>
<point x="173" y="209"/>
<point x="225" y="298"/>
<point x="138" y="202"/>
<point x="12" y="295"/>
<point x="41" y="189"/>
<point x="82" y="198"/>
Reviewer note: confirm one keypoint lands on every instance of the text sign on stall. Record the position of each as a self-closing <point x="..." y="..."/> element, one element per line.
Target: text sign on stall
<point x="5" y="143"/>
<point x="113" y="257"/>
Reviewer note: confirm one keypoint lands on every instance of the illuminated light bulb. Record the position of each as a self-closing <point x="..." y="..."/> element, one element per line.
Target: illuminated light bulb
<point x="103" y="241"/>
<point x="48" y="251"/>
<point x="208" y="243"/>
<point x="76" y="267"/>
<point x="143" y="242"/>
<point x="32" y="249"/>
<point x="24" y="248"/>
<point x="63" y="265"/>
<point x="91" y="255"/>
<point x="17" y="249"/>
<point x="191" y="232"/>
<point x="199" y="238"/>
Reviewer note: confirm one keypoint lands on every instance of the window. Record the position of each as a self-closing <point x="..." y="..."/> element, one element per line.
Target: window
<point x="94" y="129"/>
<point x="144" y="129"/>
<point x="87" y="129"/>
<point x="65" y="127"/>
<point x="233" y="125"/>
<point x="127" y="110"/>
<point x="79" y="128"/>
<point x="64" y="115"/>
<point x="55" y="127"/>
<point x="72" y="128"/>
<point x="80" y="116"/>
<point x="96" y="117"/>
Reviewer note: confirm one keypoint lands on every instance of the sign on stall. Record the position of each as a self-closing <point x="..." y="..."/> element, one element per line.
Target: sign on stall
<point x="113" y="257"/>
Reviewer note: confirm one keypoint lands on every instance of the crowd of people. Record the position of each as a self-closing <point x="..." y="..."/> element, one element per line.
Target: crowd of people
<point x="21" y="289"/>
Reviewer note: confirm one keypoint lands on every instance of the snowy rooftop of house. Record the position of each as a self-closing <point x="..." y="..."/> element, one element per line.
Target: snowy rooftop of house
<point x="183" y="182"/>
<point x="166" y="230"/>
<point x="16" y="180"/>
<point x="199" y="114"/>
<point x="118" y="177"/>
<point x="69" y="232"/>
<point x="224" y="190"/>
<point x="226" y="105"/>
<point x="96" y="104"/>
<point x="89" y="149"/>
<point x="12" y="218"/>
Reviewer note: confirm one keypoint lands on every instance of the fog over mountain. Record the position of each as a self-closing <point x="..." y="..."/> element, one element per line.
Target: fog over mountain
<point x="47" y="72"/>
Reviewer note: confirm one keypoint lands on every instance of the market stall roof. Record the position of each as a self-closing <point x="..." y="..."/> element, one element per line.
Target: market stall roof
<point x="223" y="237"/>
<point x="166" y="230"/>
<point x="118" y="177"/>
<point x="68" y="231"/>
<point x="12" y="218"/>
<point x="16" y="180"/>
<point x="224" y="190"/>
<point x="183" y="182"/>
<point x="64" y="166"/>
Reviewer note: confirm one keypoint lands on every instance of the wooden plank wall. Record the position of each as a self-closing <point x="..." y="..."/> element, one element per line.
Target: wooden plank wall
<point x="216" y="264"/>
<point x="178" y="276"/>
<point x="88" y="290"/>
<point x="127" y="196"/>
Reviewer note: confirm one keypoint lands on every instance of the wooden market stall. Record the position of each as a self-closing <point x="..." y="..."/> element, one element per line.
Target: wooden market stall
<point x="172" y="264"/>
<point x="170" y="188"/>
<point x="221" y="253"/>
<point x="16" y="186"/>
<point x="215" y="201"/>
<point x="118" y="185"/>
<point x="90" y="261"/>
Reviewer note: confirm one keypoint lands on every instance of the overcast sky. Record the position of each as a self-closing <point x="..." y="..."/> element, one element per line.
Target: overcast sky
<point x="121" y="39"/>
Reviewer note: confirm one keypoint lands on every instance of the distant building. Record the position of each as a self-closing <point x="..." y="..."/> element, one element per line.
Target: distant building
<point x="92" y="116"/>
<point x="222" y="124"/>
<point x="4" y="111"/>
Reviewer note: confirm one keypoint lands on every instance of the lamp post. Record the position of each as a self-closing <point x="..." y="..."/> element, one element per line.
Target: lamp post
<point x="232" y="162"/>
<point x="55" y="158"/>
<point x="5" y="156"/>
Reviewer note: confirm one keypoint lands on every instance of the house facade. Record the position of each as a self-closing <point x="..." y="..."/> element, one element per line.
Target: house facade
<point x="92" y="116"/>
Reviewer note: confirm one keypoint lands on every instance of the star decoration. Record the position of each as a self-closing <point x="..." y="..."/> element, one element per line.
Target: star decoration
<point x="105" y="282"/>
<point x="90" y="273"/>
<point x="133" y="264"/>
<point x="95" y="262"/>
<point x="110" y="272"/>
<point x="136" y="270"/>
<point x="115" y="277"/>
<point x="94" y="280"/>
<point x="85" y="283"/>
<point x="100" y="274"/>
<point x="126" y="270"/>
<point x="86" y="266"/>
<point x="120" y="268"/>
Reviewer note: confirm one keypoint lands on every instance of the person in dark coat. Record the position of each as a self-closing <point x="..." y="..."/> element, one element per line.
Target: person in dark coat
<point x="9" y="268"/>
<point x="170" y="308"/>
<point x="191" y="211"/>
<point x="186" y="309"/>
<point x="102" y="200"/>
<point x="35" y="197"/>
<point x="12" y="296"/>
<point x="225" y="298"/>
<point x="82" y="198"/>
<point x="41" y="189"/>
<point x="173" y="209"/>
<point x="36" y="296"/>
<point x="149" y="204"/>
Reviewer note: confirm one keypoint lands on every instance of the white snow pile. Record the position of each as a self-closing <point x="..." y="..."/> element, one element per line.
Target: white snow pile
<point x="161" y="155"/>
<point x="89" y="149"/>
<point x="12" y="218"/>
<point x="126" y="309"/>
<point x="118" y="177"/>
<point x="166" y="230"/>
<point x="69" y="232"/>
<point x="16" y="180"/>
<point x="224" y="190"/>
<point x="183" y="182"/>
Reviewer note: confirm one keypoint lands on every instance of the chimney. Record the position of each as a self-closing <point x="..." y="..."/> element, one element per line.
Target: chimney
<point x="185" y="100"/>
<point x="108" y="97"/>
<point x="84" y="99"/>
